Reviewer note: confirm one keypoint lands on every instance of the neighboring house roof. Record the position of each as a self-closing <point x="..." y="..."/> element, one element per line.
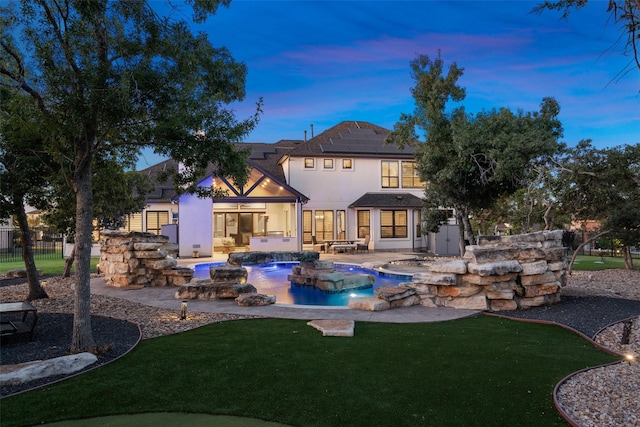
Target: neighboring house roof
<point x="352" y="139"/>
<point x="387" y="200"/>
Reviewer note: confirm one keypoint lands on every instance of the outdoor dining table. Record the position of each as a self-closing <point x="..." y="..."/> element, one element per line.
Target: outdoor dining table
<point x="339" y="244"/>
<point x="14" y="327"/>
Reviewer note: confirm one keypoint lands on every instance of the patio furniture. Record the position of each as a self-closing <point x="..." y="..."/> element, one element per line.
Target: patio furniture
<point x="361" y="247"/>
<point x="15" y="327"/>
<point x="322" y="246"/>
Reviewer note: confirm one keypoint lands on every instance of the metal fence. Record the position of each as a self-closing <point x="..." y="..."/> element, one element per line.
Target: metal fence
<point x="46" y="244"/>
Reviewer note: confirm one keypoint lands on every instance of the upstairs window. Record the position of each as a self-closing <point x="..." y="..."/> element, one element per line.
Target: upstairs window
<point x="328" y="163"/>
<point x="347" y="164"/>
<point x="309" y="163"/>
<point x="390" y="174"/>
<point x="410" y="178"/>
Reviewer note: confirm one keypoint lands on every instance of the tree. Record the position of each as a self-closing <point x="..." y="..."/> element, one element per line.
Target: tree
<point x="604" y="185"/>
<point x="109" y="78"/>
<point x="23" y="175"/>
<point x="470" y="161"/>
<point x="116" y="193"/>
<point x="626" y="13"/>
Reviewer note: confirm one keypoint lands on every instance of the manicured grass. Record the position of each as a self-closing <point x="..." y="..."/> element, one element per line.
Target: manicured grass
<point x="48" y="266"/>
<point x="470" y="372"/>
<point x="593" y="263"/>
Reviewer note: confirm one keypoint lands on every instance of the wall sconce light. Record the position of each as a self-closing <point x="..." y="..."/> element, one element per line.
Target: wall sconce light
<point x="183" y="310"/>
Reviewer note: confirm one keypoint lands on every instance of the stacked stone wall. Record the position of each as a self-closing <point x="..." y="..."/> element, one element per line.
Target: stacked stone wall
<point x="500" y="273"/>
<point x="136" y="259"/>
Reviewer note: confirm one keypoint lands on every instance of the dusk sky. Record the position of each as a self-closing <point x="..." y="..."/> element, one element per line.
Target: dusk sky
<point x="322" y="62"/>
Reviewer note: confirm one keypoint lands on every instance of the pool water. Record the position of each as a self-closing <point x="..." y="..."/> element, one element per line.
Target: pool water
<point x="271" y="279"/>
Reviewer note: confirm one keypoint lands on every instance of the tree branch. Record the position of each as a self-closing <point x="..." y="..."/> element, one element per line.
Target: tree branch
<point x="575" y="253"/>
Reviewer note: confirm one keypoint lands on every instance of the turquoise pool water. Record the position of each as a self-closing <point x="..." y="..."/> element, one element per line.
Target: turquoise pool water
<point x="271" y="279"/>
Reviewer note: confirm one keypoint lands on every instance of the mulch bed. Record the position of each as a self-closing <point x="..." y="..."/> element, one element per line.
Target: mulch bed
<point x="52" y="338"/>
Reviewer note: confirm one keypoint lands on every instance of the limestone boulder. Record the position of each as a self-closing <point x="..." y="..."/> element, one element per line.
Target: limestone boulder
<point x="475" y="302"/>
<point x="213" y="291"/>
<point x="228" y="274"/>
<point x="25" y="372"/>
<point x="429" y="278"/>
<point x="538" y="279"/>
<point x="406" y="302"/>
<point x="392" y="293"/>
<point x="146" y="246"/>
<point x="494" y="268"/>
<point x="369" y="304"/>
<point x="458" y="291"/>
<point x="334" y="328"/>
<point x="543" y="289"/>
<point x="451" y="266"/>
<point x="503" y="305"/>
<point x="532" y="268"/>
<point x="480" y="254"/>
<point x="250" y="300"/>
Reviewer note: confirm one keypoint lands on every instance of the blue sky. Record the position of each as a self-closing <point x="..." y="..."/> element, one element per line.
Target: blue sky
<point x="322" y="62"/>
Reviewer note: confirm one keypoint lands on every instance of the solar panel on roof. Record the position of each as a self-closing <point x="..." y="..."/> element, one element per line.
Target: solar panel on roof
<point x="361" y="130"/>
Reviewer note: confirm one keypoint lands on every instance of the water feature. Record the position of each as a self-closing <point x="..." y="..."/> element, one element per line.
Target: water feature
<point x="271" y="279"/>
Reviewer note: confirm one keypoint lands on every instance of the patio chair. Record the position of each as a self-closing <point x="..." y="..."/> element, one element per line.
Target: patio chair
<point x="365" y="245"/>
<point x="322" y="246"/>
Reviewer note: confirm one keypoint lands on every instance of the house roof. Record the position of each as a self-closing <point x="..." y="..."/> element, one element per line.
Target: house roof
<point x="163" y="191"/>
<point x="263" y="157"/>
<point x="352" y="139"/>
<point x="387" y="200"/>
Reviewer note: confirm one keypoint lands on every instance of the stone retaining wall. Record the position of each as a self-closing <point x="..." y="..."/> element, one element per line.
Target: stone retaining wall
<point x="500" y="273"/>
<point x="136" y="259"/>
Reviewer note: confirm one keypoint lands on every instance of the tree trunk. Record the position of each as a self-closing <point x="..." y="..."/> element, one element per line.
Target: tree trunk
<point x="628" y="259"/>
<point x="35" y="289"/>
<point x="69" y="262"/>
<point x="468" y="229"/>
<point x="82" y="338"/>
<point x="461" y="242"/>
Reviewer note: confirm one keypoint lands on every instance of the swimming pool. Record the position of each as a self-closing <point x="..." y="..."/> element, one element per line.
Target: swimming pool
<point x="271" y="279"/>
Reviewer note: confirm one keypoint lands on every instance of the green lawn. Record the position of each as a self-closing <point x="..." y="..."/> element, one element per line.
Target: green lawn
<point x="48" y="266"/>
<point x="592" y="263"/>
<point x="471" y="372"/>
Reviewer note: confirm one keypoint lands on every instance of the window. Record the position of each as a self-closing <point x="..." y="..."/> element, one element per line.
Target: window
<point x="133" y="222"/>
<point x="364" y="225"/>
<point x="393" y="223"/>
<point x="418" y="223"/>
<point x="307" y="226"/>
<point x="328" y="163"/>
<point x="309" y="163"/>
<point x="390" y="175"/>
<point x="410" y="178"/>
<point x="155" y="219"/>
<point x="347" y="164"/>
<point x="324" y="225"/>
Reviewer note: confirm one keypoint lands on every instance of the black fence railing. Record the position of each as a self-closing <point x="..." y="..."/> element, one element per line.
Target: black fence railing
<point x="46" y="244"/>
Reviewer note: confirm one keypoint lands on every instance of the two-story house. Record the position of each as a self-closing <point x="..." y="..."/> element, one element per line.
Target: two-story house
<point x="343" y="183"/>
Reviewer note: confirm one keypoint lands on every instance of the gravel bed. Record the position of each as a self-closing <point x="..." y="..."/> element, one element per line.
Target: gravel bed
<point x="591" y="301"/>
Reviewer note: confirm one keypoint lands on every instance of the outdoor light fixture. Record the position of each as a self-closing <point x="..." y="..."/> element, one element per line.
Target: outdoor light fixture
<point x="630" y="357"/>
<point x="183" y="310"/>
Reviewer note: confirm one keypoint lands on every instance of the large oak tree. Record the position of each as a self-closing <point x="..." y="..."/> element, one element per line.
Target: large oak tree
<point x="109" y="78"/>
<point x="471" y="160"/>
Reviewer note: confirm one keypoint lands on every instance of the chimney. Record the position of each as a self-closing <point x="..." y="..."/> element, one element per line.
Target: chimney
<point x="305" y="135"/>
<point x="311" y="130"/>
